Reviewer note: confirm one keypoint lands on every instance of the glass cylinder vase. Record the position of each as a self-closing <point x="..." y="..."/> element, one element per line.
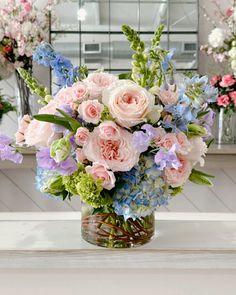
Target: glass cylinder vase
<point x="107" y="229"/>
<point x="226" y="127"/>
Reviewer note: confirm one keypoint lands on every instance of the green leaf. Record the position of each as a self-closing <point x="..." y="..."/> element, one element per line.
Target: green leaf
<point x="73" y="123"/>
<point x="202" y="173"/>
<point x="54" y="119"/>
<point x="124" y="76"/>
<point x="202" y="114"/>
<point x="200" y="178"/>
<point x="209" y="142"/>
<point x="176" y="190"/>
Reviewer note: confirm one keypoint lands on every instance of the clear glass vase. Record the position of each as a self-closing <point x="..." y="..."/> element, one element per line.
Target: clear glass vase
<point x="107" y="229"/>
<point x="226" y="127"/>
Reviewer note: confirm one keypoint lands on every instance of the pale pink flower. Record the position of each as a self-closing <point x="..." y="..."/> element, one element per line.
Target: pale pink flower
<point x="227" y="80"/>
<point x="184" y="144"/>
<point x="91" y="111"/>
<point x="160" y="133"/>
<point x="118" y="154"/>
<point x="168" y="141"/>
<point x="128" y="103"/>
<point x="41" y="133"/>
<point x="80" y="92"/>
<point x="230" y="11"/>
<point x="65" y="96"/>
<point x="100" y="171"/>
<point x="81" y="136"/>
<point x="198" y="151"/>
<point x="215" y="79"/>
<point x="223" y="100"/>
<point x="97" y="82"/>
<point x="168" y="96"/>
<point x="23" y="125"/>
<point x="80" y="156"/>
<point x="109" y="130"/>
<point x="177" y="177"/>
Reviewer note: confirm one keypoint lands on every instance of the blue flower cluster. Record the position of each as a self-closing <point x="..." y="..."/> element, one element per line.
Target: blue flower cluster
<point x="141" y="192"/>
<point x="62" y="67"/>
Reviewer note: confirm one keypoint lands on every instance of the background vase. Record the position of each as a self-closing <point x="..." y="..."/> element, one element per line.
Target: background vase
<point x="226" y="127"/>
<point x="107" y="229"/>
<point x="23" y="97"/>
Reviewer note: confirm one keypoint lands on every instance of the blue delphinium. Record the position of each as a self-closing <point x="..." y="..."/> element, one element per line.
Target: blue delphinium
<point x="141" y="192"/>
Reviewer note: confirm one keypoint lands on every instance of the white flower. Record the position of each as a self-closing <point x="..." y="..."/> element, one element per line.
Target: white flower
<point x="232" y="53"/>
<point x="216" y="37"/>
<point x="199" y="149"/>
<point x="233" y="64"/>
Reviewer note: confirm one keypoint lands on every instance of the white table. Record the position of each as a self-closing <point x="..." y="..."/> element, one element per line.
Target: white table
<point x="191" y="254"/>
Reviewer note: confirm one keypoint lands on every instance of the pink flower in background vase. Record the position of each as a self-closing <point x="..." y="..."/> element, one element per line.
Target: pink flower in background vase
<point x="23" y="125"/>
<point x="80" y="156"/>
<point x="109" y="130"/>
<point x="118" y="154"/>
<point x="100" y="171"/>
<point x="223" y="100"/>
<point x="97" y="82"/>
<point x="128" y="103"/>
<point x="227" y="80"/>
<point x="230" y="11"/>
<point x="81" y="136"/>
<point x="177" y="177"/>
<point x="215" y="79"/>
<point x="91" y="111"/>
<point x="232" y="95"/>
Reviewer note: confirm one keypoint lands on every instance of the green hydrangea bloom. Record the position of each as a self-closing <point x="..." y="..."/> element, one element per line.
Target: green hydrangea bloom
<point x="70" y="181"/>
<point x="90" y="191"/>
<point x="53" y="186"/>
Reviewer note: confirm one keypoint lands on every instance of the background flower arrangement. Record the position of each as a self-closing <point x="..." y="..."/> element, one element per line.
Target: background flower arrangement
<point x="5" y="105"/>
<point x="222" y="39"/>
<point x="125" y="144"/>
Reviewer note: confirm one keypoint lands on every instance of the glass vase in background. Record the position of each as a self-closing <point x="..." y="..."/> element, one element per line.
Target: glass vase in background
<point x="107" y="229"/>
<point x="226" y="127"/>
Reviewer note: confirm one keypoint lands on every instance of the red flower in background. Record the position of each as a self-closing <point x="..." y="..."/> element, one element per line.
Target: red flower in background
<point x="227" y="80"/>
<point x="223" y="100"/>
<point x="7" y="49"/>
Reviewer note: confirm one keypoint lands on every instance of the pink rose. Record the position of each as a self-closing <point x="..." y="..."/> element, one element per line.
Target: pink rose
<point x="160" y="133"/>
<point x="109" y="130"/>
<point x="184" y="144"/>
<point x="20" y="138"/>
<point x="177" y="177"/>
<point x="232" y="95"/>
<point x="41" y="133"/>
<point x="168" y="140"/>
<point x="91" y="110"/>
<point x="168" y="96"/>
<point x="65" y="96"/>
<point x="128" y="102"/>
<point x="23" y="125"/>
<point x="215" y="79"/>
<point x="229" y="11"/>
<point x="118" y="154"/>
<point x="81" y="136"/>
<point x="227" y="80"/>
<point x="80" y="92"/>
<point x="80" y="156"/>
<point x="99" y="171"/>
<point x="97" y="82"/>
<point x="223" y="100"/>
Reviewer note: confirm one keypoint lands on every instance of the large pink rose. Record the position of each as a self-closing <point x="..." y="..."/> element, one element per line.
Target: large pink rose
<point x="100" y="171"/>
<point x="168" y="96"/>
<point x="184" y="144"/>
<point x="97" y="82"/>
<point x="227" y="80"/>
<point x="65" y="96"/>
<point x="79" y="91"/>
<point x="128" y="103"/>
<point x="168" y="140"/>
<point x="109" y="130"/>
<point x="41" y="133"/>
<point x="223" y="100"/>
<point x="177" y="177"/>
<point x="118" y="154"/>
<point x="91" y="111"/>
<point x="81" y="136"/>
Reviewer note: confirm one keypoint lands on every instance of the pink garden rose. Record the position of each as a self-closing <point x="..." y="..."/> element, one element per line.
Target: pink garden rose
<point x="160" y="133"/>
<point x="168" y="96"/>
<point x="215" y="79"/>
<point x="232" y="95"/>
<point x="184" y="144"/>
<point x="128" y="102"/>
<point x="117" y="154"/>
<point x="91" y="111"/>
<point x="81" y="136"/>
<point x="198" y="151"/>
<point x="80" y="92"/>
<point x="177" y="177"/>
<point x="65" y="96"/>
<point x="168" y="140"/>
<point x="40" y="133"/>
<point x="23" y="125"/>
<point x="227" y="80"/>
<point x="109" y="130"/>
<point x="100" y="171"/>
<point x="80" y="156"/>
<point x="97" y="82"/>
<point x="223" y="100"/>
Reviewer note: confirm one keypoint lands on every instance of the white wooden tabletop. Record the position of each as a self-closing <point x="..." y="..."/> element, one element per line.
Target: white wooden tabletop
<point x="182" y="241"/>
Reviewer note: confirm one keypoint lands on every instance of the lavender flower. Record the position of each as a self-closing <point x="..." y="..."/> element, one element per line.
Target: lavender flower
<point x="141" y="141"/>
<point x="45" y="161"/>
<point x="7" y="152"/>
<point x="167" y="159"/>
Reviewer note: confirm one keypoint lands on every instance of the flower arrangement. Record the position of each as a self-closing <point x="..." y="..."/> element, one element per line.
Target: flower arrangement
<point x="22" y="27"/>
<point x="125" y="144"/>
<point x="222" y="40"/>
<point x="5" y="105"/>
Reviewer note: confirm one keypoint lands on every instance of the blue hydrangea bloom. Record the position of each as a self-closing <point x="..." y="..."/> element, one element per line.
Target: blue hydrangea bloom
<point x="141" y="192"/>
